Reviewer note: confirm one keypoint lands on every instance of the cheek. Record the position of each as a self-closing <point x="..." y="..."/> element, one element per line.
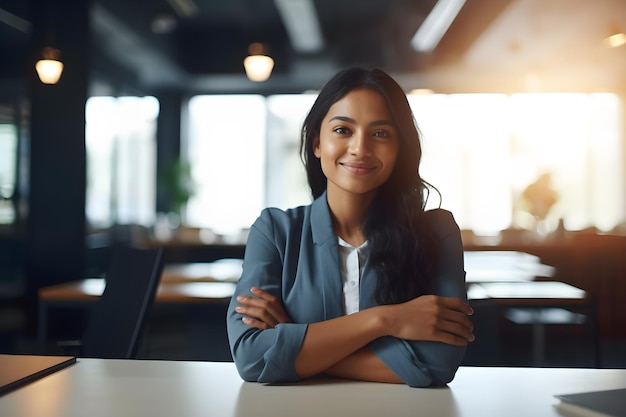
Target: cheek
<point x="390" y="155"/>
<point x="327" y="150"/>
<point x="391" y="159"/>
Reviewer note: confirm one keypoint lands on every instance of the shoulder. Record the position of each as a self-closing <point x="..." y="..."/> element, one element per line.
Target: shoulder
<point x="442" y="222"/>
<point x="275" y="221"/>
<point x="282" y="217"/>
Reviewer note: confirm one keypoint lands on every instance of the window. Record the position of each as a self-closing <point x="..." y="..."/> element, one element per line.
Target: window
<point x="464" y="156"/>
<point x="226" y="151"/>
<point x="8" y="161"/>
<point x="286" y="114"/>
<point x="121" y="160"/>
<point x="482" y="151"/>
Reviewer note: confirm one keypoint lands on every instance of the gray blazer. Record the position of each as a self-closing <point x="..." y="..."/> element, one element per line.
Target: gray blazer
<point x="293" y="254"/>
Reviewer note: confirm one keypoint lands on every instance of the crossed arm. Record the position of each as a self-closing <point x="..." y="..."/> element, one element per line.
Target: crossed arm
<point x="339" y="346"/>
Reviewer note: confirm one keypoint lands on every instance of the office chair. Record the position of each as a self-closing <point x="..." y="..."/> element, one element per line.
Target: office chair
<point x="114" y="326"/>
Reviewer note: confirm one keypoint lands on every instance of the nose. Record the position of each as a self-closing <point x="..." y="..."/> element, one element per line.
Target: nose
<point x="359" y="145"/>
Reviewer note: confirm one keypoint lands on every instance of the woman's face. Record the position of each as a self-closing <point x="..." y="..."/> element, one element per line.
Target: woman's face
<point x="358" y="143"/>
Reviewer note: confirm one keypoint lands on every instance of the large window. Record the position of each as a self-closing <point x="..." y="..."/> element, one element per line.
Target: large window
<point x="286" y="184"/>
<point x="121" y="160"/>
<point x="226" y="150"/>
<point x="8" y="161"/>
<point x="484" y="152"/>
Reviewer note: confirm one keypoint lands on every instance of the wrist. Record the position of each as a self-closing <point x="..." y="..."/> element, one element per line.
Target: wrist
<point x="384" y="321"/>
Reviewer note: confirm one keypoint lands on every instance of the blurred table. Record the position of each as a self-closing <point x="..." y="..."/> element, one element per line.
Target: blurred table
<point x="540" y="303"/>
<point x="223" y="270"/>
<point x="84" y="293"/>
<point x="504" y="266"/>
<point x="185" y="250"/>
<point x="528" y="293"/>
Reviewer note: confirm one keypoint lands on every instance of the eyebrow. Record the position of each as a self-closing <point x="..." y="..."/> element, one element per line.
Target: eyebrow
<point x="374" y="123"/>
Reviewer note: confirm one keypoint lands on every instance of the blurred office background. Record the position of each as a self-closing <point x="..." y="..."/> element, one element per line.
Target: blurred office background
<point x="155" y="135"/>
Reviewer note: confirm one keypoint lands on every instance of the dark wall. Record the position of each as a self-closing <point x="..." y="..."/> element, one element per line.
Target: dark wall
<point x="55" y="221"/>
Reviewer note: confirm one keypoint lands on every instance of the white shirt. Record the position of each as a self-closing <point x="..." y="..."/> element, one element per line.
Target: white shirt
<point x="351" y="260"/>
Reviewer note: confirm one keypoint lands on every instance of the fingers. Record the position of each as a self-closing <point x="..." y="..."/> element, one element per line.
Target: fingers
<point x="261" y="310"/>
<point x="252" y="322"/>
<point x="256" y="317"/>
<point x="442" y="319"/>
<point x="456" y="304"/>
<point x="262" y="294"/>
<point x="459" y="329"/>
<point x="455" y="321"/>
<point x="266" y="304"/>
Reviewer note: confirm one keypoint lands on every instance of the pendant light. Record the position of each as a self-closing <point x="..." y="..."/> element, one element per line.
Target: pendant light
<point x="258" y="65"/>
<point x="49" y="67"/>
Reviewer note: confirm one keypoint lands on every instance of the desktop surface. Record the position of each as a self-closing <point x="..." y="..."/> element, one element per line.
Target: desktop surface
<point x="99" y="387"/>
<point x="20" y="370"/>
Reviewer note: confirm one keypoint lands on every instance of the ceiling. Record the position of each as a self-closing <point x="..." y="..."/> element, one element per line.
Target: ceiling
<point x="502" y="45"/>
<point x="206" y="47"/>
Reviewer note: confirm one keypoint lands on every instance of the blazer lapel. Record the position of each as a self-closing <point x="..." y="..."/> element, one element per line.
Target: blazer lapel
<point x="327" y="257"/>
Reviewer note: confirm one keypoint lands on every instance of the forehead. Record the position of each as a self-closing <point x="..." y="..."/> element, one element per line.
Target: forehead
<point x="362" y="102"/>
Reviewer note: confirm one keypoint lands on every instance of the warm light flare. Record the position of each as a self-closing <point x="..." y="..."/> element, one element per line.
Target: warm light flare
<point x="615" y="40"/>
<point x="423" y="91"/>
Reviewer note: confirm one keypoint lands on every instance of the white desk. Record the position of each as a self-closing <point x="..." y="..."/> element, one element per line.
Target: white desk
<point x="96" y="387"/>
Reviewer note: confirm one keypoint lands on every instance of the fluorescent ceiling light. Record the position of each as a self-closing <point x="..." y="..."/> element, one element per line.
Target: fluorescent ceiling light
<point x="302" y="25"/>
<point x="436" y="24"/>
<point x="184" y="8"/>
<point x="14" y="21"/>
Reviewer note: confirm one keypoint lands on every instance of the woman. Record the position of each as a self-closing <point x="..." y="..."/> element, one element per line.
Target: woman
<point x="363" y="283"/>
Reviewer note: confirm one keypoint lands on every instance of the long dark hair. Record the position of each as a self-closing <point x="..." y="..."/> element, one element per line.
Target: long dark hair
<point x="403" y="250"/>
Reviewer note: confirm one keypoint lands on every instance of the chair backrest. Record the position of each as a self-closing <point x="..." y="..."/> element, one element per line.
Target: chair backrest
<point x="115" y="325"/>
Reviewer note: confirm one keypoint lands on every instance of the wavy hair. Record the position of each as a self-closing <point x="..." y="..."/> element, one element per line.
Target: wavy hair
<point x="403" y="249"/>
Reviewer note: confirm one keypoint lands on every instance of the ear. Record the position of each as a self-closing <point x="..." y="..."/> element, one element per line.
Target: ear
<point x="316" y="146"/>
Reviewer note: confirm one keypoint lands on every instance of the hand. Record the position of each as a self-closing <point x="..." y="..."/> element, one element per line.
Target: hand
<point x="433" y="318"/>
<point x="261" y="310"/>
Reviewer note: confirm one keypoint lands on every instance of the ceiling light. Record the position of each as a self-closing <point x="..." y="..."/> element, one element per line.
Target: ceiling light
<point x="436" y="24"/>
<point x="258" y="65"/>
<point x="163" y="23"/>
<point x="184" y="8"/>
<point x="49" y="68"/>
<point x="15" y="22"/>
<point x="302" y="25"/>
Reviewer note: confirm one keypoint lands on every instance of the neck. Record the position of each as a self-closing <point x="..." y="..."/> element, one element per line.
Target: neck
<point x="346" y="211"/>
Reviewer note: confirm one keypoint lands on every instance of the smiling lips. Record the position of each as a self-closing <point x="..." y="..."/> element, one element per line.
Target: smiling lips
<point x="357" y="168"/>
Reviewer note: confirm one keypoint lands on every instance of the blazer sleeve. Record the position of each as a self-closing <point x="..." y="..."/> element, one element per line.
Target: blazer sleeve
<point x="263" y="355"/>
<point x="424" y="363"/>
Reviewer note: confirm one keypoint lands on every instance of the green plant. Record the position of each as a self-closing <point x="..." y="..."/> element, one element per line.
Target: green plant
<point x="178" y="184"/>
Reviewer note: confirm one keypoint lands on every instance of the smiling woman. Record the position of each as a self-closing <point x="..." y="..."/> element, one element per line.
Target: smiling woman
<point x="363" y="283"/>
